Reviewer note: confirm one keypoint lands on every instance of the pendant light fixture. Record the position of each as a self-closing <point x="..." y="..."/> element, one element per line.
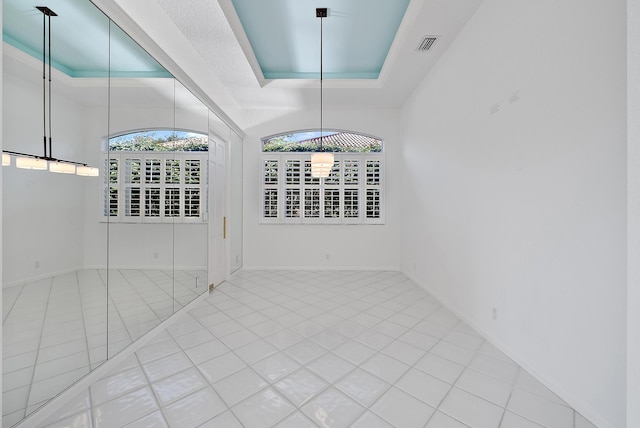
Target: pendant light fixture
<point x="321" y="161"/>
<point x="47" y="161"/>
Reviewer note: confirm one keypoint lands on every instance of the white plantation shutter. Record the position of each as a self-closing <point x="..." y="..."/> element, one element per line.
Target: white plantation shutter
<point x="292" y="171"/>
<point x="192" y="171"/>
<point x="373" y="205"/>
<point x="332" y="203"/>
<point x="373" y="189"/>
<point x="271" y="188"/>
<point x="351" y="203"/>
<point x="132" y="190"/>
<point x="154" y="187"/>
<point x="312" y="203"/>
<point x="172" y="171"/>
<point x="172" y="202"/>
<point x="110" y="199"/>
<point x="193" y="181"/>
<point x="310" y="180"/>
<point x="292" y="203"/>
<point x="351" y="194"/>
<point x="192" y="202"/>
<point x="152" y="202"/>
<point x="351" y="172"/>
<point x="152" y="171"/>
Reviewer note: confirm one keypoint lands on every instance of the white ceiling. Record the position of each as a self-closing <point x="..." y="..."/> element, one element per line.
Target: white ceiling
<point x="213" y="29"/>
<point x="205" y="40"/>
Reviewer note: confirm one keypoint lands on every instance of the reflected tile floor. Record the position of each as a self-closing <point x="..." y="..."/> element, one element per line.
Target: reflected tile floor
<point x="318" y="349"/>
<point x="55" y="329"/>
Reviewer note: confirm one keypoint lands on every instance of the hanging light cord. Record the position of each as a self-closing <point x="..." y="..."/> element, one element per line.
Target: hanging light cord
<point x="321" y="88"/>
<point x="44" y="82"/>
<point x="46" y="13"/>
<point x="50" y="153"/>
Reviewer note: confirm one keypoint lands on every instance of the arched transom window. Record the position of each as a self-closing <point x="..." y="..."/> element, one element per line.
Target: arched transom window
<point x="155" y="176"/>
<point x="352" y="194"/>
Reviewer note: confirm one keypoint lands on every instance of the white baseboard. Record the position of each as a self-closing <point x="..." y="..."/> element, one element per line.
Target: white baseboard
<point x="319" y="268"/>
<point x="40" y="277"/>
<point x="149" y="267"/>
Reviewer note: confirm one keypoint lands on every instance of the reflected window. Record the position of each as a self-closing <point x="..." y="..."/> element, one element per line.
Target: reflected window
<point x="155" y="176"/>
<point x="351" y="194"/>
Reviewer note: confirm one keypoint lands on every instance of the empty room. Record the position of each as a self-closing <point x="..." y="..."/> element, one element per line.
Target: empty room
<point x="240" y="213"/>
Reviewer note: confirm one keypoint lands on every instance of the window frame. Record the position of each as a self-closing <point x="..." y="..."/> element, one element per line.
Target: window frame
<point x="322" y="185"/>
<point x="122" y="184"/>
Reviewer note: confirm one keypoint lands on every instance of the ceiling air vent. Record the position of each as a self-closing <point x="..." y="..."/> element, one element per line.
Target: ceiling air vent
<point x="426" y="43"/>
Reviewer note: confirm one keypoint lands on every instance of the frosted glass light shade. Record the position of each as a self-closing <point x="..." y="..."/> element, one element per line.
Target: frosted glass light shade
<point x="31" y="163"/>
<point x="62" y="167"/>
<point x="321" y="164"/>
<point x="87" y="171"/>
<point x="6" y="159"/>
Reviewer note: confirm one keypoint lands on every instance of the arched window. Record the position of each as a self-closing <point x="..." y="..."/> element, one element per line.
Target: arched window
<point x="352" y="194"/>
<point x="155" y="176"/>
<point x="332" y="141"/>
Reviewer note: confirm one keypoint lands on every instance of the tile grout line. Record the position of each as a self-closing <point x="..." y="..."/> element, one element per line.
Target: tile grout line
<point x="271" y="384"/>
<point x="378" y="351"/>
<point x="250" y="366"/>
<point x="513" y="387"/>
<point x="70" y="392"/>
<point x="150" y="386"/>
<point x="13" y="304"/>
<point x="244" y="296"/>
<point x="35" y="364"/>
<point x="437" y="408"/>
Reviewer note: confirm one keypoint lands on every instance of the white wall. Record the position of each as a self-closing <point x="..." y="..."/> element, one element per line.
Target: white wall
<point x="52" y="221"/>
<point x="515" y="176"/>
<point x="1" y="196"/>
<point x="152" y="246"/>
<point x="95" y="233"/>
<point x="234" y="196"/>
<point x="140" y="245"/>
<point x="43" y="213"/>
<point x="633" y="210"/>
<point x="306" y="246"/>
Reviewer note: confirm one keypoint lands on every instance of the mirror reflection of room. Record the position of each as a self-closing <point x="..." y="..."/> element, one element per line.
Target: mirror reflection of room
<point x="96" y="257"/>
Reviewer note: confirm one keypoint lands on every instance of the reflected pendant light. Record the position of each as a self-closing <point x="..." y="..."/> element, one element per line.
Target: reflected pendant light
<point x="321" y="161"/>
<point x="47" y="161"/>
<point x="86" y="171"/>
<point x="62" y="167"/>
<point x="26" y="162"/>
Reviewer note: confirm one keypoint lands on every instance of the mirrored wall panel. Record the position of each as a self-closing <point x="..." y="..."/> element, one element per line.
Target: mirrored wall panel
<point x="235" y="202"/>
<point x="54" y="287"/>
<point x="107" y="197"/>
<point x="140" y="274"/>
<point x="189" y="190"/>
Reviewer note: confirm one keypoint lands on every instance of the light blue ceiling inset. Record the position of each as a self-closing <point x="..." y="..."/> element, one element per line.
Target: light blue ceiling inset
<point x="80" y="37"/>
<point x="285" y="36"/>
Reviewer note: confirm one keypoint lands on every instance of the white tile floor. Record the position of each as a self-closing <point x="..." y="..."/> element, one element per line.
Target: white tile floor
<point x="318" y="349"/>
<point x="55" y="329"/>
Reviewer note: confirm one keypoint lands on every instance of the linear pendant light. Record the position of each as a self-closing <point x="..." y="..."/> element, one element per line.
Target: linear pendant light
<point x="86" y="171"/>
<point x="47" y="161"/>
<point x="26" y="162"/>
<point x="62" y="167"/>
<point x="321" y="161"/>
